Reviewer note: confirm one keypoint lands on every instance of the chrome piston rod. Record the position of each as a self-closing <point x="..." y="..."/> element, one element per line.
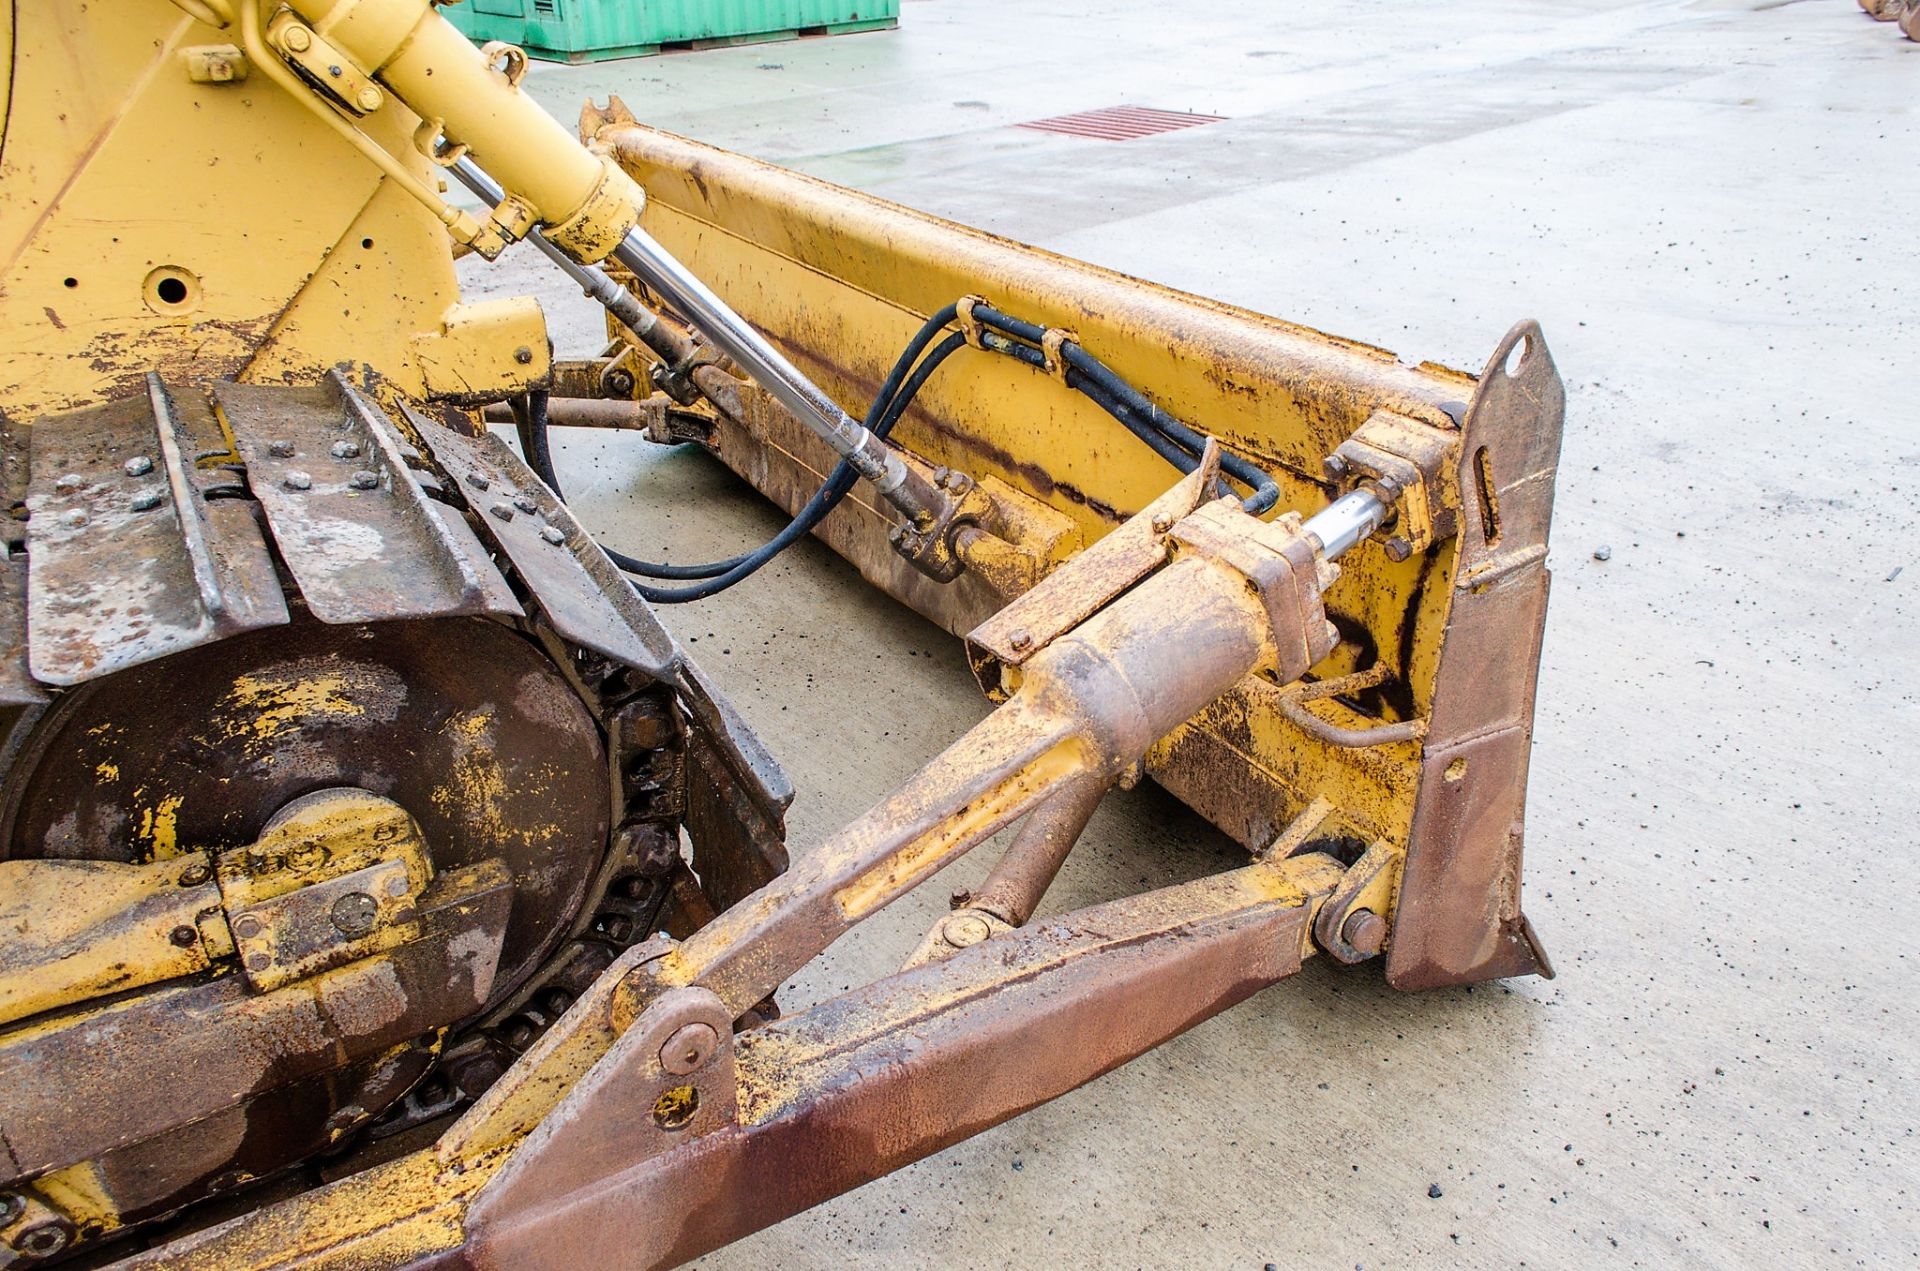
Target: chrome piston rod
<point x="592" y="279"/>
<point x="653" y="265"/>
<point x="1348" y="520"/>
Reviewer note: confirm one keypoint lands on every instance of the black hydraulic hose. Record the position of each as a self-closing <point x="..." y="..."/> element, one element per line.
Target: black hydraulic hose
<point x="530" y="417"/>
<point x="824" y="500"/>
<point x="1168" y="437"/>
<point x="530" y="423"/>
<point x="1161" y="444"/>
<point x="1266" y="492"/>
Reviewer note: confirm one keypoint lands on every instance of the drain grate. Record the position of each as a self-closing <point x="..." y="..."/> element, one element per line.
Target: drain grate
<point x="1120" y="123"/>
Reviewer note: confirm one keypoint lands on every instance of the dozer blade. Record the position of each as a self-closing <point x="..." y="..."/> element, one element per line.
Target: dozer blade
<point x="1426" y="750"/>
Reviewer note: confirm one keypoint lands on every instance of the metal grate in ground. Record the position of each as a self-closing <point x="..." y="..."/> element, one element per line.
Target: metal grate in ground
<point x="1120" y="123"/>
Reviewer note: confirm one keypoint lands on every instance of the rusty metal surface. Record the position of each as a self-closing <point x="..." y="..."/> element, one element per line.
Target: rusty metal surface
<point x="1459" y="918"/>
<point x="583" y="594"/>
<point x="17" y="685"/>
<point x="347" y="510"/>
<point x="886" y="1074"/>
<point x="463" y="722"/>
<point x="737" y="796"/>
<point x="1089" y="704"/>
<point x="1069" y="596"/>
<point x="214" y="1044"/>
<point x="1013" y="888"/>
<point x="127" y="561"/>
<point x="74" y="930"/>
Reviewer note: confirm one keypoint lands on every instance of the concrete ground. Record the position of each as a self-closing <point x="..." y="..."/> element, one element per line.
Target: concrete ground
<point x="1710" y="208"/>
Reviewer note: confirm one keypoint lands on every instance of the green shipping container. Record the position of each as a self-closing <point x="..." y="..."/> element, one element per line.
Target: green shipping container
<point x="593" y="30"/>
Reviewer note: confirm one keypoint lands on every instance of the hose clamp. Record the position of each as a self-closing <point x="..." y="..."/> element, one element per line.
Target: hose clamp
<point x="969" y="325"/>
<point x="1052" y="342"/>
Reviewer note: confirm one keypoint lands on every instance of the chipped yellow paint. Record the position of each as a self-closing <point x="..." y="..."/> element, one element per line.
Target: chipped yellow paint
<point x="108" y="772"/>
<point x="476" y="782"/>
<point x="160" y="827"/>
<point x="276" y="704"/>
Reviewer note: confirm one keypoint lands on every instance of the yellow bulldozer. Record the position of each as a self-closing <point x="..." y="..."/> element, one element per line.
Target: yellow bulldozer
<point x="381" y="885"/>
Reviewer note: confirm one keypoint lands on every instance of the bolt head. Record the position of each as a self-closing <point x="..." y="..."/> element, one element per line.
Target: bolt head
<point x="364" y="479"/>
<point x="281" y="449"/>
<point x="345" y="450"/>
<point x="502" y="510"/>
<point x="195" y="875"/>
<point x="12" y="1205"/>
<point x="297" y="480"/>
<point x="298" y="39"/>
<point x="1162" y="523"/>
<point x="68" y="484"/>
<point x="258" y="962"/>
<point x="620" y="383"/>
<point x="1335" y="466"/>
<point x="183" y="936"/>
<point x="355" y="913"/>
<point x="525" y="503"/>
<point x="1020" y="640"/>
<point x="138" y="466"/>
<point x="368" y="98"/>
<point x="1365" y="931"/>
<point x="689" y="1049"/>
<point x="478" y="481"/>
<point x="246" y="926"/>
<point x="553" y="534"/>
<point x="523" y="355"/>
<point x="74" y="518"/>
<point x="146" y="501"/>
<point x="1398" y="548"/>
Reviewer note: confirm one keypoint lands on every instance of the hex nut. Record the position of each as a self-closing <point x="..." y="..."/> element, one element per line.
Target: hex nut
<point x="364" y="479"/>
<point x="297" y="39"/>
<point x="478" y="480"/>
<point x="525" y="503"/>
<point x="297" y="480"/>
<point x="138" y="466"/>
<point x="246" y="927"/>
<point x="146" y="501"/>
<point x="368" y="98"/>
<point x="502" y="510"/>
<point x="346" y="450"/>
<point x="553" y="534"/>
<point x="1398" y="548"/>
<point x="12" y="1205"/>
<point x="689" y="1048"/>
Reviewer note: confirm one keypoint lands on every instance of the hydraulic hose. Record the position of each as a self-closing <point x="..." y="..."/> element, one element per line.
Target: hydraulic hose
<point x="895" y="395"/>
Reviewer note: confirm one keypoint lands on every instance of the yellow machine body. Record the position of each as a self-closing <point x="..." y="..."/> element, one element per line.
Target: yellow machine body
<point x="189" y="198"/>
